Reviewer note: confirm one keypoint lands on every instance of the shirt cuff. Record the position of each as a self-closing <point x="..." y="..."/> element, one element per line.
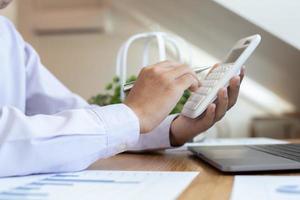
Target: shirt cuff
<point x="157" y="139"/>
<point x="121" y="125"/>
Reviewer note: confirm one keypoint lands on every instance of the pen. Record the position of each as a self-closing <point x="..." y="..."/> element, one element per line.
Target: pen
<point x="197" y="70"/>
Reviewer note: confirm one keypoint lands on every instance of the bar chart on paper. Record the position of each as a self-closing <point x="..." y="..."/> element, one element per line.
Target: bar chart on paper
<point x="90" y="185"/>
<point x="266" y="187"/>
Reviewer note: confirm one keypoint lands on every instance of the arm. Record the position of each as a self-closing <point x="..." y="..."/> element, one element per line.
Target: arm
<point x="58" y="131"/>
<point x="67" y="141"/>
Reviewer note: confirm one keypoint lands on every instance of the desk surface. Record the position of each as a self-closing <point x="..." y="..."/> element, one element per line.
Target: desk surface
<point x="210" y="184"/>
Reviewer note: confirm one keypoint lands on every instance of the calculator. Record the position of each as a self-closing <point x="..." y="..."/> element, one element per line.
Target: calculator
<point x="220" y="76"/>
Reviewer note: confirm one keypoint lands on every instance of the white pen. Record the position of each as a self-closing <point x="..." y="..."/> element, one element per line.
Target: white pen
<point x="197" y="70"/>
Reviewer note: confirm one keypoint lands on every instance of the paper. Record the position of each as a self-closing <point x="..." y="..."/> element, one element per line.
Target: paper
<point x="90" y="185"/>
<point x="266" y="188"/>
<point x="236" y="141"/>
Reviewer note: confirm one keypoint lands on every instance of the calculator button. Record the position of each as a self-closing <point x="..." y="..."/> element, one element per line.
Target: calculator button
<point x="209" y="83"/>
<point x="197" y="98"/>
<point x="191" y="105"/>
<point x="214" y="76"/>
<point x="228" y="67"/>
<point x="209" y="77"/>
<point x="203" y="90"/>
<point x="218" y="75"/>
<point x="206" y="83"/>
<point x="224" y="67"/>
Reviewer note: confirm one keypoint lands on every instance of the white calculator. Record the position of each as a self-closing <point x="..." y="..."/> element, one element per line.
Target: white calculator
<point x="220" y="76"/>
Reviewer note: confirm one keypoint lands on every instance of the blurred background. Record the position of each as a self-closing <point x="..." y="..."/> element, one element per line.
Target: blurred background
<point x="78" y="41"/>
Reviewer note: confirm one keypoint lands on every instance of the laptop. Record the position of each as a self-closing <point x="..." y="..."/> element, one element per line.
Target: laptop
<point x="250" y="158"/>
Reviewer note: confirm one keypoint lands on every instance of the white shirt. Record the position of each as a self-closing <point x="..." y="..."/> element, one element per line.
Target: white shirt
<point x="46" y="128"/>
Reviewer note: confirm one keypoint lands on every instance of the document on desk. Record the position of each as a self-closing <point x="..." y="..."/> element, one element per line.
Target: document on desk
<point x="97" y="185"/>
<point x="266" y="188"/>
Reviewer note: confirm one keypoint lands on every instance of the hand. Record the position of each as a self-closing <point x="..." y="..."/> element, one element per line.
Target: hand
<point x="157" y="90"/>
<point x="184" y="128"/>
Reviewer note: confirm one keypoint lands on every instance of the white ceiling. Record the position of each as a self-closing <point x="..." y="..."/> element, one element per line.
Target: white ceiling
<point x="279" y="17"/>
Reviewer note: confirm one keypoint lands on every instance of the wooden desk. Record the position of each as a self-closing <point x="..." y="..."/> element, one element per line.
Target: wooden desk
<point x="209" y="185"/>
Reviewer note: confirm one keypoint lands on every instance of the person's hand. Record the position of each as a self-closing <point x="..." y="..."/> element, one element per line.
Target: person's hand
<point x="183" y="128"/>
<point x="157" y="90"/>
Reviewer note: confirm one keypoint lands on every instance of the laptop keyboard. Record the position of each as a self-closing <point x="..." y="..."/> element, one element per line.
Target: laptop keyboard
<point x="290" y="151"/>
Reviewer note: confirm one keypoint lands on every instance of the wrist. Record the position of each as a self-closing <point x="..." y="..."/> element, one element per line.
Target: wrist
<point x="173" y="141"/>
<point x="172" y="135"/>
<point x="181" y="131"/>
<point x="144" y="127"/>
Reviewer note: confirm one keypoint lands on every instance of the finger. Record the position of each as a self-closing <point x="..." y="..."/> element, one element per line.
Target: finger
<point x="175" y="69"/>
<point x="161" y="67"/>
<point x="181" y="70"/>
<point x="167" y="64"/>
<point x="205" y="122"/>
<point x="187" y="81"/>
<point x="222" y="104"/>
<point x="233" y="91"/>
<point x="213" y="67"/>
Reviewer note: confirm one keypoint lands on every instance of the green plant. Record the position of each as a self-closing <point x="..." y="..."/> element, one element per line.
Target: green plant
<point x="112" y="95"/>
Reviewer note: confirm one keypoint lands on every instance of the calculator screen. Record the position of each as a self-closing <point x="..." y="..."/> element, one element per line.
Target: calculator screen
<point x="235" y="54"/>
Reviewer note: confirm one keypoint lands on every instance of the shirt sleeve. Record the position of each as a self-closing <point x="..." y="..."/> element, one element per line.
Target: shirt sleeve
<point x="157" y="139"/>
<point x="57" y="130"/>
<point x="66" y="141"/>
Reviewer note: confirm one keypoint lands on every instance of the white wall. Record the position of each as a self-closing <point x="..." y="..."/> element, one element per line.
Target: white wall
<point x="279" y="17"/>
<point x="86" y="62"/>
